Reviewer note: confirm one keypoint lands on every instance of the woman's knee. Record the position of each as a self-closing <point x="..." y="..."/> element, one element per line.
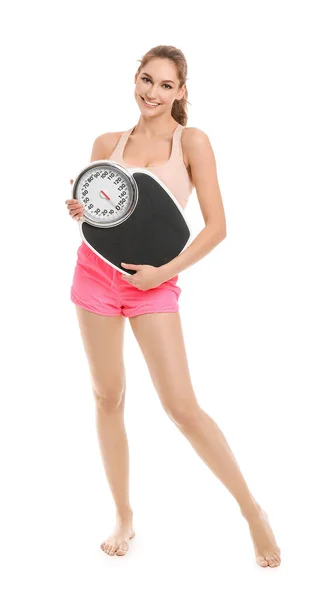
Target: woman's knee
<point x="109" y="399"/>
<point x="183" y="411"/>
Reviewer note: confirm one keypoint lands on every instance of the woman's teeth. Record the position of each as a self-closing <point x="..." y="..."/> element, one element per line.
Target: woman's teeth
<point x="149" y="103"/>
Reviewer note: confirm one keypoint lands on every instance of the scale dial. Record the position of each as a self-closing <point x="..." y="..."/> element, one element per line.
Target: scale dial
<point x="108" y="192"/>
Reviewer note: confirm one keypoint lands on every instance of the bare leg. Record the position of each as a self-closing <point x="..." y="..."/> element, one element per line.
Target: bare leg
<point x="115" y="456"/>
<point x="211" y="445"/>
<point x="161" y="340"/>
<point x="103" y="343"/>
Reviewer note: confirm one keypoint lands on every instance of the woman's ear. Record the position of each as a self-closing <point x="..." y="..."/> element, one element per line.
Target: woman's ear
<point x="181" y="92"/>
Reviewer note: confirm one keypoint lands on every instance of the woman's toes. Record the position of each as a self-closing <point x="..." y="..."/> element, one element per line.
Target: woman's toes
<point x="277" y="560"/>
<point x="262" y="561"/>
<point x="122" y="549"/>
<point x="277" y="556"/>
<point x="271" y="561"/>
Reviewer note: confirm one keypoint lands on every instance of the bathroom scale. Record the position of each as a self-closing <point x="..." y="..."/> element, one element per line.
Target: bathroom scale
<point x="129" y="215"/>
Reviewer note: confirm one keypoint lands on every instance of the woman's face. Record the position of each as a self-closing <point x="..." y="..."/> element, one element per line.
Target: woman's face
<point x="157" y="82"/>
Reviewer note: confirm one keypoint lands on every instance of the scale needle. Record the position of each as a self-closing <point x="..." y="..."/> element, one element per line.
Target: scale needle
<point x="104" y="194"/>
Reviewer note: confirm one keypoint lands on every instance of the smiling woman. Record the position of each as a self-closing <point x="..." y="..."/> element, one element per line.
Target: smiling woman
<point x="182" y="158"/>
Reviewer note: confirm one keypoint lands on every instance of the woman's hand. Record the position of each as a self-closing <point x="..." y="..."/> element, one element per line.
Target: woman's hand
<point x="146" y="278"/>
<point x="75" y="208"/>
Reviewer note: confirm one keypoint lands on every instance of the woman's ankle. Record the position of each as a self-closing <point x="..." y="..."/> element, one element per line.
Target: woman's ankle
<point x="124" y="512"/>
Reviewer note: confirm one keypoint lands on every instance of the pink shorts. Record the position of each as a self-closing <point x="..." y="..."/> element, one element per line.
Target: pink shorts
<point x="99" y="288"/>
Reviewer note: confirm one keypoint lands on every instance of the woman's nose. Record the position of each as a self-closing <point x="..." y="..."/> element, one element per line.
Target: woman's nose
<point x="153" y="92"/>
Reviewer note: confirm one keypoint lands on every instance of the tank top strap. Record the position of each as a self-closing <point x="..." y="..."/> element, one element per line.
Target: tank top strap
<point x="176" y="143"/>
<point x="119" y="148"/>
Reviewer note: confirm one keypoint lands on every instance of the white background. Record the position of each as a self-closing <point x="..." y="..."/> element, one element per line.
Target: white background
<point x="68" y="76"/>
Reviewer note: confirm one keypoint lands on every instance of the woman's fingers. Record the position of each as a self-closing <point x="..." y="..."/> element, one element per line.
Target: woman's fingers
<point x="75" y="208"/>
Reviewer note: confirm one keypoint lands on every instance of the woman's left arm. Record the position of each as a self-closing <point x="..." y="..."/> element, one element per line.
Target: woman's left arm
<point x="204" y="176"/>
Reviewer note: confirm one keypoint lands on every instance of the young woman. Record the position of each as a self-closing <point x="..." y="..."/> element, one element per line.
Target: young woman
<point x="183" y="158"/>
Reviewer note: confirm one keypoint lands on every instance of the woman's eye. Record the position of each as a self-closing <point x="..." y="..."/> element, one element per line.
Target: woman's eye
<point x="147" y="79"/>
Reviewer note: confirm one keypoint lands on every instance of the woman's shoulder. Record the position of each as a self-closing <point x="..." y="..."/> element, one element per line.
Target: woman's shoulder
<point x="193" y="134"/>
<point x="104" y="144"/>
<point x="110" y="139"/>
<point x="192" y="138"/>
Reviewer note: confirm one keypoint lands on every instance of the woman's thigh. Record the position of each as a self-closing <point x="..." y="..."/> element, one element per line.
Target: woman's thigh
<point x="161" y="341"/>
<point x="103" y="339"/>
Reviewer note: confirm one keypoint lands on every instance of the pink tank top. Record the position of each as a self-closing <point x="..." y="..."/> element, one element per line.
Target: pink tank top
<point x="173" y="173"/>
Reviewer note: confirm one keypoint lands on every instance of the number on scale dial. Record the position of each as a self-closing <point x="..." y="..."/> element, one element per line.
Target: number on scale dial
<point x="108" y="193"/>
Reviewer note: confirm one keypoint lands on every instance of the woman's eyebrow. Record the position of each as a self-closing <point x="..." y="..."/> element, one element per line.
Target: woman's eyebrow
<point x="163" y="79"/>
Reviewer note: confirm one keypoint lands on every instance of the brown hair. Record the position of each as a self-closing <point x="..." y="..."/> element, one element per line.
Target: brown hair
<point x="179" y="108"/>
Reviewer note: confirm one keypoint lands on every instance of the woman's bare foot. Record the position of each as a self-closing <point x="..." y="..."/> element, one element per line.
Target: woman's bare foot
<point x="267" y="552"/>
<point x="117" y="542"/>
